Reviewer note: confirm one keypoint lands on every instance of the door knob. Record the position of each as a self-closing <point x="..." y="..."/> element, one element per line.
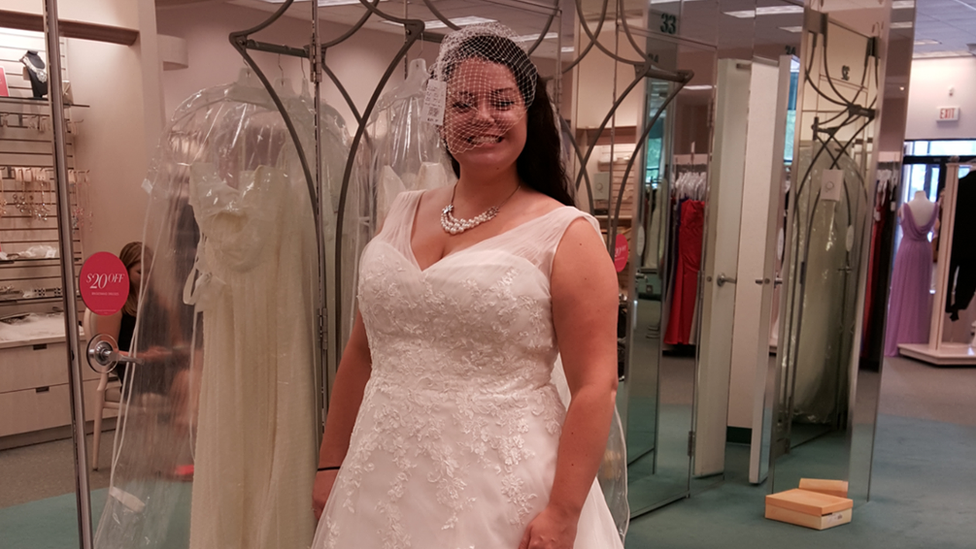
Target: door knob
<point x="721" y="280"/>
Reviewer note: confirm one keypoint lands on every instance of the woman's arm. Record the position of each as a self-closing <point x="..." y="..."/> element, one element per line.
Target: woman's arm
<point x="108" y="325"/>
<point x="584" y="309"/>
<point x="347" y="394"/>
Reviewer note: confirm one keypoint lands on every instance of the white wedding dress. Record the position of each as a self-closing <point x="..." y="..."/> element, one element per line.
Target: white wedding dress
<point x="455" y="442"/>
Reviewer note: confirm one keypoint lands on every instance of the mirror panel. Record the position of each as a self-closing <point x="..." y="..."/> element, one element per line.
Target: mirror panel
<point x="837" y="125"/>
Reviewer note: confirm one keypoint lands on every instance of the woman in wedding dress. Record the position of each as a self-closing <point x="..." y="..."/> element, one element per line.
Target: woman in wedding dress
<point x="444" y="430"/>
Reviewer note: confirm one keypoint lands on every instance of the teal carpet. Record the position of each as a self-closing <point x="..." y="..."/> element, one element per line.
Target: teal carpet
<point x="50" y="523"/>
<point x="923" y="496"/>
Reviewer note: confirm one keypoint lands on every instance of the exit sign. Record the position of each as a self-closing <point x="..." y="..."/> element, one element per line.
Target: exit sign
<point x="948" y="113"/>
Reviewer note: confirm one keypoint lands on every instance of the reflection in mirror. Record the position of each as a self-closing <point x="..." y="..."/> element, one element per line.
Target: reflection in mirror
<point x="733" y="33"/>
<point x="635" y="145"/>
<point x="821" y="400"/>
<point x="769" y="155"/>
<point x="664" y="300"/>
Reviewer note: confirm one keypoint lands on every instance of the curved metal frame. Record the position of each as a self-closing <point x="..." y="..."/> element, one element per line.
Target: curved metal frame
<point x="854" y="113"/>
<point x="414" y="29"/>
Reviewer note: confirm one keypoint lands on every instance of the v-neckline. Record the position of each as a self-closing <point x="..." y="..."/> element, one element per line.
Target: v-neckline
<point x="413" y="219"/>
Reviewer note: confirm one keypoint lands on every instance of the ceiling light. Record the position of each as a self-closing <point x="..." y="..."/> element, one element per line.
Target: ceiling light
<point x="323" y="3"/>
<point x="935" y="54"/>
<point x="698" y="87"/>
<point x="903" y="25"/>
<point x="926" y="42"/>
<point x="534" y="37"/>
<point x="778" y="10"/>
<point x="902" y="4"/>
<point x="459" y="21"/>
<point x="792" y="29"/>
<point x="767" y="10"/>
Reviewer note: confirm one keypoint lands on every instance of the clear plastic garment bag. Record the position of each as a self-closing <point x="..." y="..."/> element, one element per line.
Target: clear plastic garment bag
<point x="401" y="152"/>
<point x="215" y="446"/>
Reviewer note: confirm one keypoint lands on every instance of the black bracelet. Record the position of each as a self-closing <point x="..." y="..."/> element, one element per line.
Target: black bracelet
<point x="328" y="468"/>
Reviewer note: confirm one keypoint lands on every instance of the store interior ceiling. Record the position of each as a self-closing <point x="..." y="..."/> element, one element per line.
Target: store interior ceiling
<point x="943" y="28"/>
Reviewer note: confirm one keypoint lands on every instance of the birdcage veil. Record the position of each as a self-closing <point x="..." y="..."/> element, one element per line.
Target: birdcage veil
<point x="481" y="85"/>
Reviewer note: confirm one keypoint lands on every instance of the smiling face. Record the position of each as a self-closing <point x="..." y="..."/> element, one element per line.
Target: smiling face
<point x="484" y="119"/>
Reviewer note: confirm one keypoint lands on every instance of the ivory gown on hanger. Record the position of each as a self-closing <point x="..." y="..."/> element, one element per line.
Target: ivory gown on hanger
<point x="455" y="442"/>
<point x="254" y="447"/>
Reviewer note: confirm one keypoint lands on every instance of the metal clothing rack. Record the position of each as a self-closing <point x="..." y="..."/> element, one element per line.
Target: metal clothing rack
<point x="414" y="31"/>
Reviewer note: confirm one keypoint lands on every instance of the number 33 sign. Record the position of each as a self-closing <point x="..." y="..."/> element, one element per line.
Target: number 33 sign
<point x="104" y="283"/>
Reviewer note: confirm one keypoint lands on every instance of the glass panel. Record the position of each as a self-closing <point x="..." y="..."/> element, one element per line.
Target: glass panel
<point x="777" y="44"/>
<point x="37" y="454"/>
<point x="735" y="39"/>
<point x="656" y="391"/>
<point x="820" y="405"/>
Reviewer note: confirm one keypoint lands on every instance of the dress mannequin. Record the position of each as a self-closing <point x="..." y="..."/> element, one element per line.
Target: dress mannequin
<point x="922" y="207"/>
<point x="36" y="71"/>
<point x="909" y="302"/>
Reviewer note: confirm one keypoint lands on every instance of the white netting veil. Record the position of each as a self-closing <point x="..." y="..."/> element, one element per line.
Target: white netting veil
<point x="487" y="81"/>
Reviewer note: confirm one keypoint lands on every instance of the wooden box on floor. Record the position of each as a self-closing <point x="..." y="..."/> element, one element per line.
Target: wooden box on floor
<point x="830" y="487"/>
<point x="810" y="509"/>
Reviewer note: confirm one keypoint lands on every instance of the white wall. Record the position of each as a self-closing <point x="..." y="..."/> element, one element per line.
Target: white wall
<point x="929" y="89"/>
<point x="596" y="88"/>
<point x="359" y="62"/>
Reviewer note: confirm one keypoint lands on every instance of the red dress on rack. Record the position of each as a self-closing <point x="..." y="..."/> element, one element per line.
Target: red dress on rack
<point x="684" y="297"/>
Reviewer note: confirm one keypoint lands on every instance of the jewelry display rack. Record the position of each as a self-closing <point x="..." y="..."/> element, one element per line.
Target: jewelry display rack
<point x="28" y="206"/>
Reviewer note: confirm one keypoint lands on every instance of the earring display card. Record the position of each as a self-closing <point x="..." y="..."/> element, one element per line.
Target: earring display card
<point x="4" y="91"/>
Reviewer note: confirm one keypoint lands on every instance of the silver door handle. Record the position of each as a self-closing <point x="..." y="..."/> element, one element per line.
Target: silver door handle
<point x="721" y="279"/>
<point x="103" y="354"/>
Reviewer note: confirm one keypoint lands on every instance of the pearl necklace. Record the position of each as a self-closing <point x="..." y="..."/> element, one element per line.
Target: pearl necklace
<point x="455" y="226"/>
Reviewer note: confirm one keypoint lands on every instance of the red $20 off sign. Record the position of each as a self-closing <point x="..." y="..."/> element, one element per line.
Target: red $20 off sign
<point x="104" y="283"/>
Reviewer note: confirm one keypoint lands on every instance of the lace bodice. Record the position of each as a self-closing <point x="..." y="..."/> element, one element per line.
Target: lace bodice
<point x="455" y="442"/>
<point x="483" y="313"/>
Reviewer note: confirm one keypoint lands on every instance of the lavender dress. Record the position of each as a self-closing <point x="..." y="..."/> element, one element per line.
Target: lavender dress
<point x="910" y="304"/>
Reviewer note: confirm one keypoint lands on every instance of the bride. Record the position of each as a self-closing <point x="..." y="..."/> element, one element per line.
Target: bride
<point x="444" y="430"/>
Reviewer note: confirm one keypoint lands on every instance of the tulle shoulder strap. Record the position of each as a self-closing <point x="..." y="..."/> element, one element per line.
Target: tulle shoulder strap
<point x="539" y="241"/>
<point x="398" y="220"/>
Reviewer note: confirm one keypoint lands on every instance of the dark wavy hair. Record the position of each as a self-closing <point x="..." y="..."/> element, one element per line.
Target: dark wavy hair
<point x="540" y="164"/>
